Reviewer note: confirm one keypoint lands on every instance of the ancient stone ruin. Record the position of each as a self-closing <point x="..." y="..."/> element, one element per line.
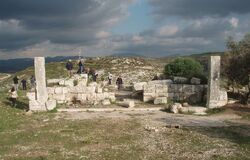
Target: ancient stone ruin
<point x="68" y="90"/>
<point x="215" y="96"/>
<point x="77" y="89"/>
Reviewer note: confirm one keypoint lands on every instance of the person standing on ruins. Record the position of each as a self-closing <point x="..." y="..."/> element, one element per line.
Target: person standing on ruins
<point x="119" y="82"/>
<point x="110" y="77"/>
<point x="24" y="84"/>
<point x="69" y="67"/>
<point x="13" y="96"/>
<point x="15" y="80"/>
<point x="81" y="66"/>
<point x="32" y="82"/>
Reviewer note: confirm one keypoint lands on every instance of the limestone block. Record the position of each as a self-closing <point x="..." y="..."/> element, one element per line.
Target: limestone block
<point x="59" y="90"/>
<point x="199" y="88"/>
<point x="91" y="89"/>
<point x="70" y="96"/>
<point x="194" y="98"/>
<point x="106" y="102"/>
<point x="65" y="90"/>
<point x="195" y="110"/>
<point x="62" y="82"/>
<point x="100" y="96"/>
<point x="82" y="82"/>
<point x="161" y="94"/>
<point x="59" y="97"/>
<point x="36" y="106"/>
<point x="85" y="76"/>
<point x="139" y="86"/>
<point x="160" y="100"/>
<point x="53" y="81"/>
<point x="187" y="88"/>
<point x="128" y="103"/>
<point x="159" y="88"/>
<point x="75" y="89"/>
<point x="171" y="88"/>
<point x="99" y="89"/>
<point x="50" y="90"/>
<point x="195" y="81"/>
<point x="162" y="82"/>
<point x="178" y="88"/>
<point x="93" y="84"/>
<point x="170" y="95"/>
<point x="148" y="98"/>
<point x="175" y="108"/>
<point x="61" y="102"/>
<point x="69" y="82"/>
<point x="91" y="97"/>
<point x="149" y="88"/>
<point x="82" y="97"/>
<point x="112" y="97"/>
<point x="180" y="80"/>
<point x="50" y="104"/>
<point x="31" y="96"/>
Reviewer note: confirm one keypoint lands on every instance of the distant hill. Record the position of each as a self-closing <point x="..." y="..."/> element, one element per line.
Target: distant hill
<point x="14" y="65"/>
<point x="126" y="55"/>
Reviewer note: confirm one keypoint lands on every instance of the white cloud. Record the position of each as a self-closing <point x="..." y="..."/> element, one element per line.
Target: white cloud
<point x="234" y="22"/>
<point x="168" y="30"/>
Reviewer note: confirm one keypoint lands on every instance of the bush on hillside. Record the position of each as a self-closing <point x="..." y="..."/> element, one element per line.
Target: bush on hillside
<point x="185" y="67"/>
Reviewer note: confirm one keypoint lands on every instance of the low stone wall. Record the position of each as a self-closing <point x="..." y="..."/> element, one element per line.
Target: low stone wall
<point x="75" y="89"/>
<point x="176" y="92"/>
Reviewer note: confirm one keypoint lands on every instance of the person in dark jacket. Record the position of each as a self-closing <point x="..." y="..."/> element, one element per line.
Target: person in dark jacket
<point x="119" y="82"/>
<point x="15" y="80"/>
<point x="24" y="84"/>
<point x="69" y="67"/>
<point x="81" y="67"/>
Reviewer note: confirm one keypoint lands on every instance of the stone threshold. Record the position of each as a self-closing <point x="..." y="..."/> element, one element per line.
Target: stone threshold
<point x="107" y="109"/>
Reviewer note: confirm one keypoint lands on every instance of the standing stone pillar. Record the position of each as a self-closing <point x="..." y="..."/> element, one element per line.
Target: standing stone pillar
<point x="215" y="96"/>
<point x="41" y="95"/>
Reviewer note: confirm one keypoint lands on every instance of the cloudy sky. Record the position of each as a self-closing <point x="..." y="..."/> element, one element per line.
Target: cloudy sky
<point x="31" y="28"/>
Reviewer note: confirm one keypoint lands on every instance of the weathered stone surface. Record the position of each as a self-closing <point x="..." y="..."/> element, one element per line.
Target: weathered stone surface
<point x="59" y="90"/>
<point x="180" y="80"/>
<point x="99" y="89"/>
<point x="128" y="103"/>
<point x="195" y="81"/>
<point x="215" y="97"/>
<point x="59" y="97"/>
<point x="50" y="90"/>
<point x="69" y="82"/>
<point x="36" y="106"/>
<point x="162" y="82"/>
<point x="31" y="96"/>
<point x="174" y="108"/>
<point x="41" y="90"/>
<point x="160" y="100"/>
<point x="106" y="102"/>
<point x="50" y="104"/>
<point x="139" y="86"/>
<point x="53" y="81"/>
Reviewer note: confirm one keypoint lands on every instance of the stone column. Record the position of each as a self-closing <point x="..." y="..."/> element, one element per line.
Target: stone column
<point x="41" y="90"/>
<point x="215" y="96"/>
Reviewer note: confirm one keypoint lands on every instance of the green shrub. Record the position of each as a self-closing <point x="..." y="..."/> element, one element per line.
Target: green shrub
<point x="184" y="67"/>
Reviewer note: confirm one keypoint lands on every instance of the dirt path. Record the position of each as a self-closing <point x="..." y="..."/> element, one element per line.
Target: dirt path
<point x="5" y="77"/>
<point x="155" y="118"/>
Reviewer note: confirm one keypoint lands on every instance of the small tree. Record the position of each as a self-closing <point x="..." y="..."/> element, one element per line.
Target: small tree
<point x="237" y="63"/>
<point x="184" y="67"/>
